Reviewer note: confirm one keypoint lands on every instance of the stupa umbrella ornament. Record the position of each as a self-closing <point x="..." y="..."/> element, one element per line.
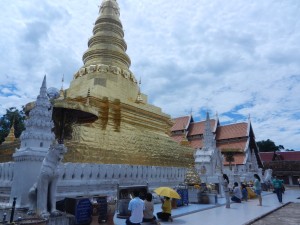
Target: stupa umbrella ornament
<point x="66" y="113"/>
<point x="167" y="192"/>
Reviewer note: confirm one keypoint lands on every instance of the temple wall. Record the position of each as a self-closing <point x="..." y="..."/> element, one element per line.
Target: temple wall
<point x="80" y="179"/>
<point x="6" y="177"/>
<point x="6" y="173"/>
<point x="95" y="179"/>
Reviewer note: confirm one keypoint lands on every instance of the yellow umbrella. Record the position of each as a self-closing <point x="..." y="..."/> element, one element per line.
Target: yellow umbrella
<point x="167" y="192"/>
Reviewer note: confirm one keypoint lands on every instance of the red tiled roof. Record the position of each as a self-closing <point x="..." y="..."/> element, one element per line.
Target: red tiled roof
<point x="236" y="145"/>
<point x="287" y="156"/>
<point x="197" y="143"/>
<point x="180" y="123"/>
<point x="238" y="159"/>
<point x="266" y="156"/>
<point x="232" y="131"/>
<point x="198" y="127"/>
<point x="178" y="138"/>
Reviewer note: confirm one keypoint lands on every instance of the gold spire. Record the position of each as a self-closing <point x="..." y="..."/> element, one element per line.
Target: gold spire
<point x="107" y="45"/>
<point x="61" y="92"/>
<point x="184" y="141"/>
<point x="11" y="135"/>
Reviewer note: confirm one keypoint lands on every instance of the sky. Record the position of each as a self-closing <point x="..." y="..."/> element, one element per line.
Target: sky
<point x="233" y="58"/>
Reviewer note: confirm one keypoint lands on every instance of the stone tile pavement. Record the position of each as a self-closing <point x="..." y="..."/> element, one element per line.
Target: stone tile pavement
<point x="239" y="214"/>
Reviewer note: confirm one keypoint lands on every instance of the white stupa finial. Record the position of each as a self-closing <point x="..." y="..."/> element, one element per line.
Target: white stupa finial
<point x="208" y="135"/>
<point x="38" y="134"/>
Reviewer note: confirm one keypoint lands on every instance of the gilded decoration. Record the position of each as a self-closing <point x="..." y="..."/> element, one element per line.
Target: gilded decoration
<point x="105" y="69"/>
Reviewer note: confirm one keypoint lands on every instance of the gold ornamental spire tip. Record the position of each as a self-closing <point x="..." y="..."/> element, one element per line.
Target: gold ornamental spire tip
<point x="62" y="82"/>
<point x="109" y="7"/>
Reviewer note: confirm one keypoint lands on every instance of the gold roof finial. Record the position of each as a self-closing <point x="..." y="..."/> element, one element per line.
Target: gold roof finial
<point x="62" y="81"/>
<point x="61" y="92"/>
<point x="139" y="98"/>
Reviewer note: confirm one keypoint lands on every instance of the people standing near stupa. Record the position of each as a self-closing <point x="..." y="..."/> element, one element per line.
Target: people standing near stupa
<point x="225" y="184"/>
<point x="257" y="188"/>
<point x="277" y="184"/>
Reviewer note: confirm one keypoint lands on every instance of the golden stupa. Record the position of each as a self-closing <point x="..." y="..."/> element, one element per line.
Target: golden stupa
<point x="123" y="128"/>
<point x="192" y="177"/>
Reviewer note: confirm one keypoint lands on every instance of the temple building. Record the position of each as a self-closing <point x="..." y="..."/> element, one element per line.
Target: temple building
<point x="285" y="165"/>
<point x="235" y="141"/>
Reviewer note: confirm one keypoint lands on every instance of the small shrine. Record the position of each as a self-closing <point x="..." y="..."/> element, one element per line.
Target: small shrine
<point x="35" y="142"/>
<point x="209" y="160"/>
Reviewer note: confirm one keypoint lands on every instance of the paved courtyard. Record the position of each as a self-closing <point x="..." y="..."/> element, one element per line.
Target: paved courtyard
<point x="245" y="213"/>
<point x="239" y="214"/>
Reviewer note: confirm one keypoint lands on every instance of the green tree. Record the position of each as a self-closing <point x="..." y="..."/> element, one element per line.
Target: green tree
<point x="12" y="116"/>
<point x="269" y="146"/>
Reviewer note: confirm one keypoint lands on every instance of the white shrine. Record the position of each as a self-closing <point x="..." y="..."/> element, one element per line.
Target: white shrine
<point x="35" y="142"/>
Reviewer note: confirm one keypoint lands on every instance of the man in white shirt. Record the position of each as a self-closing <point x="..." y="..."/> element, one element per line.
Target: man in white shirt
<point x="136" y="208"/>
<point x="237" y="193"/>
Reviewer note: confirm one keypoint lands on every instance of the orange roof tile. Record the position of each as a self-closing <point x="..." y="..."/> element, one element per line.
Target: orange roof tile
<point x="198" y="127"/>
<point x="238" y="160"/>
<point x="180" y="123"/>
<point x="197" y="143"/>
<point x="236" y="145"/>
<point x="178" y="138"/>
<point x="232" y="131"/>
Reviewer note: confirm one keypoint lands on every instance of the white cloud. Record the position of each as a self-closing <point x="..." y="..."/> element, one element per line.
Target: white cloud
<point x="232" y="57"/>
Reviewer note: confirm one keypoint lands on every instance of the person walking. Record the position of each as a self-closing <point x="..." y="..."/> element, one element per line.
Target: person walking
<point x="225" y="184"/>
<point x="136" y="209"/>
<point x="278" y="188"/>
<point x="257" y="188"/>
<point x="298" y="181"/>
<point x="237" y="193"/>
<point x="149" y="209"/>
<point x="165" y="215"/>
